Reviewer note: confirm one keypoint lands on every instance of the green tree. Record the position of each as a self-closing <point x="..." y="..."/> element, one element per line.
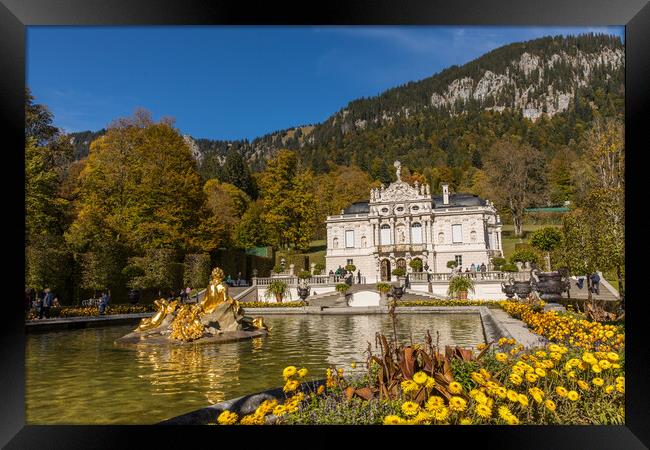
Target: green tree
<point x="228" y="204"/>
<point x="197" y="270"/>
<point x="158" y="268"/>
<point x="139" y="188"/>
<point x="517" y="176"/>
<point x="252" y="230"/>
<point x="235" y="171"/>
<point x="546" y="239"/>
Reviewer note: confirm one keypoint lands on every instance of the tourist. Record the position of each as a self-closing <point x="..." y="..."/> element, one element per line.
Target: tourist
<point x="229" y="280"/>
<point x="239" y="280"/>
<point x="55" y="302"/>
<point x="103" y="304"/>
<point x="595" y="282"/>
<point x="580" y="282"/>
<point x="48" y="299"/>
<point x="39" y="304"/>
<point x="472" y="267"/>
<point x="483" y="267"/>
<point x="359" y="276"/>
<point x="467" y="269"/>
<point x="187" y="292"/>
<point x="183" y="296"/>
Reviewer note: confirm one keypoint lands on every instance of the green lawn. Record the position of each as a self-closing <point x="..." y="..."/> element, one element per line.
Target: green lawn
<point x="508" y="239"/>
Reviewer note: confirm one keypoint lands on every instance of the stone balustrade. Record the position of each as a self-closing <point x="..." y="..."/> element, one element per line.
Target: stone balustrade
<point x="414" y="277"/>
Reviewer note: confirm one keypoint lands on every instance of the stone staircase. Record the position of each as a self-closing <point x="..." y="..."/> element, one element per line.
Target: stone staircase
<point x="607" y="292"/>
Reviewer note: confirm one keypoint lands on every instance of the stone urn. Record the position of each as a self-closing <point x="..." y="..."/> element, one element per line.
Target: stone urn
<point x="508" y="289"/>
<point x="550" y="285"/>
<point x="303" y="292"/>
<point x="522" y="288"/>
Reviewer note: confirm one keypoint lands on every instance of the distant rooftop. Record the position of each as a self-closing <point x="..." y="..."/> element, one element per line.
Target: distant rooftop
<point x="458" y="200"/>
<point x="358" y="208"/>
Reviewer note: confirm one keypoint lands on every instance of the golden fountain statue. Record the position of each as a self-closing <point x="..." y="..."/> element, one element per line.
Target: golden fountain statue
<point x="217" y="318"/>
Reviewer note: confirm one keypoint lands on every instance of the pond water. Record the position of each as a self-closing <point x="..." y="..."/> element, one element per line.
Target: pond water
<point x="82" y="377"/>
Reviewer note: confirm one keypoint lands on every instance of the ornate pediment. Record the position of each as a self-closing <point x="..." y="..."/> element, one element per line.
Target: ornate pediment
<point x="398" y="192"/>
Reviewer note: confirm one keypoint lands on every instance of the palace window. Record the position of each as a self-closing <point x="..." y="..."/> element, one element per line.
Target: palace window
<point x="349" y="263"/>
<point x="400" y="209"/>
<point x="385" y="237"/>
<point x="457" y="234"/>
<point x="416" y="233"/>
<point x="349" y="238"/>
<point x="459" y="260"/>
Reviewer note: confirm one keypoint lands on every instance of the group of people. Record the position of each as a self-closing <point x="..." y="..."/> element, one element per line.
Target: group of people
<point x="342" y="272"/>
<point x="42" y="302"/>
<point x="237" y="282"/>
<point x="595" y="282"/>
<point x="183" y="294"/>
<point x="474" y="268"/>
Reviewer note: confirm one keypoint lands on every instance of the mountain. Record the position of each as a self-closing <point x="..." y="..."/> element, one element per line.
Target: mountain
<point x="545" y="90"/>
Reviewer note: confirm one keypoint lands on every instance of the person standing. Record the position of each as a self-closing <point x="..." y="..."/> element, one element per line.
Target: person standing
<point x="472" y="267"/>
<point x="359" y="276"/>
<point x="183" y="296"/>
<point x="595" y="283"/>
<point x="103" y="304"/>
<point x="28" y="300"/>
<point x="239" y="279"/>
<point x="483" y="267"/>
<point x="47" y="304"/>
<point x="187" y="293"/>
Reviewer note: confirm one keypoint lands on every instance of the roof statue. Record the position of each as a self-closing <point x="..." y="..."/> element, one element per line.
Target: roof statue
<point x="398" y="166"/>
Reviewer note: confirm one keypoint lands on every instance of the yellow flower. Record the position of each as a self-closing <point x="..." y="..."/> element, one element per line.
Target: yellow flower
<point x="573" y="396"/>
<point x="392" y="420"/>
<point x="410" y="408"/>
<point x="478" y="378"/>
<point x="457" y="404"/>
<point x="512" y="420"/>
<point x="523" y="400"/>
<point x="455" y="387"/>
<point x="620" y="380"/>
<point x="620" y="388"/>
<point x="571" y="375"/>
<point x="353" y="365"/>
<point x="531" y="377"/>
<point x="501" y="357"/>
<point x="466" y="421"/>
<point x="609" y="333"/>
<point x="409" y="386"/>
<point x="515" y="379"/>
<point x="518" y="370"/>
<point x="609" y="389"/>
<point x="540" y="354"/>
<point x="561" y="391"/>
<point x="434" y="403"/>
<point x="320" y="389"/>
<point x="550" y="405"/>
<point x="598" y="381"/>
<point x="289" y="371"/>
<point x="583" y="385"/>
<point x="501" y="392"/>
<point x="291" y="386"/>
<point x="302" y="372"/>
<point x="420" y="377"/>
<point x="279" y="410"/>
<point x="556" y="356"/>
<point x="430" y="383"/>
<point x="441" y="414"/>
<point x="512" y="395"/>
<point x="540" y="372"/>
<point x="596" y="368"/>
<point x="227" y="418"/>
<point x="616" y="366"/>
<point x="422" y="417"/>
<point x="612" y="356"/>
<point x="504" y="412"/>
<point x="554" y="348"/>
<point x="252" y="419"/>
<point x="604" y="364"/>
<point x="483" y="410"/>
<point x="266" y="407"/>
<point x="588" y="358"/>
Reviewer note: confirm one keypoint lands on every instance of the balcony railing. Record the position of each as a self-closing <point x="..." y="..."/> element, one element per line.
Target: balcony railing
<point x="476" y="276"/>
<point x="401" y="248"/>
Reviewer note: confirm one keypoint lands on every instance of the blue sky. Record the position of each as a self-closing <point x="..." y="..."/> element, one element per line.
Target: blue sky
<point x="242" y="82"/>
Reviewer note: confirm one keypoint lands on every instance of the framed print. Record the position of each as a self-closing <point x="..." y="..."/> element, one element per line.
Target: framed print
<point x="352" y="215"/>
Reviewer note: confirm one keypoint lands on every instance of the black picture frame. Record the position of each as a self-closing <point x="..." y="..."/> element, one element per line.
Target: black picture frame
<point x="15" y="15"/>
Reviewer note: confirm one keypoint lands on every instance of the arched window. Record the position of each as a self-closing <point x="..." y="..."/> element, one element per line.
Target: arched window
<point x="441" y="238"/>
<point x="385" y="237"/>
<point x="416" y="233"/>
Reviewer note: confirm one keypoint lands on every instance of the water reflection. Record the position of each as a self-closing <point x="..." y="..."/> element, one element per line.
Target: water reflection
<point x="80" y="376"/>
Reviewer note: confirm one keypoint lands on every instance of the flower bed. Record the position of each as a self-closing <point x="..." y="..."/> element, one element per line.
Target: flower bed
<point x="420" y="385"/>
<point x="86" y="311"/>
<point x="568" y="328"/>
<point x="272" y="305"/>
<point x="447" y="303"/>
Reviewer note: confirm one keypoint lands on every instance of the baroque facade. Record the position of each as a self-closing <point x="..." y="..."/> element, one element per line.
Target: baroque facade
<point x="401" y="222"/>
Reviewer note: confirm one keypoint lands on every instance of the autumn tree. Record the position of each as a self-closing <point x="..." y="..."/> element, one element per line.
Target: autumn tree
<point x="139" y="188"/>
<point x="252" y="231"/>
<point x="227" y="203"/>
<point x="517" y="177"/>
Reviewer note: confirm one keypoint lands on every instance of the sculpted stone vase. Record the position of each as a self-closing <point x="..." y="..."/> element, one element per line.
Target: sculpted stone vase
<point x="303" y="292"/>
<point x="508" y="289"/>
<point x="522" y="288"/>
<point x="550" y="285"/>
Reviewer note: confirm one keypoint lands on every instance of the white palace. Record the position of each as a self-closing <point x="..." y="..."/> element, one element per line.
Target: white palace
<point x="402" y="222"/>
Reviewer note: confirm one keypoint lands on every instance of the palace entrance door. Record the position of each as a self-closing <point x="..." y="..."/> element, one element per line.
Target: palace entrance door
<point x="385" y="270"/>
<point x="401" y="264"/>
